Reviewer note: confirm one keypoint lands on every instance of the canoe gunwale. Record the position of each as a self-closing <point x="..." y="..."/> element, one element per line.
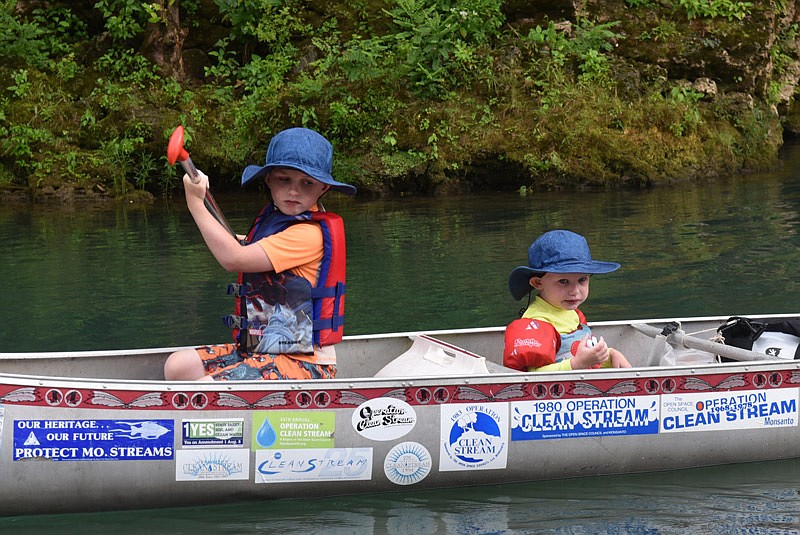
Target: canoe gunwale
<point x="497" y="374"/>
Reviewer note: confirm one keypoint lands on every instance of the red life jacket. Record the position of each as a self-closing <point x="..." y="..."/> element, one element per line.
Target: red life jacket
<point x="533" y="343"/>
<point x="283" y="312"/>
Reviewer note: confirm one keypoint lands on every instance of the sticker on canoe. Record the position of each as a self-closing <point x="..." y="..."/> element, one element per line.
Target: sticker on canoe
<point x="332" y="464"/>
<point x="584" y="417"/>
<point x="474" y="436"/>
<point x="212" y="464"/>
<point x="293" y="429"/>
<point x="407" y="463"/>
<point x="94" y="440"/>
<point x="754" y="409"/>
<point x="205" y="433"/>
<point x="384" y="419"/>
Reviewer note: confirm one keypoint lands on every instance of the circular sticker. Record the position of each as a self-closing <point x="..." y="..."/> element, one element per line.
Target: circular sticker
<point x="407" y="463"/>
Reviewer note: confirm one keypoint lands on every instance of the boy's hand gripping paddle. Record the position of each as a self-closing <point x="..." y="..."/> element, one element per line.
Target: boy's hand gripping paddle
<point x="176" y="153"/>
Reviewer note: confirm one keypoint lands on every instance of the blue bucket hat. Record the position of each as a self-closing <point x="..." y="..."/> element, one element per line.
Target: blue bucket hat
<point x="557" y="251"/>
<point x="302" y="149"/>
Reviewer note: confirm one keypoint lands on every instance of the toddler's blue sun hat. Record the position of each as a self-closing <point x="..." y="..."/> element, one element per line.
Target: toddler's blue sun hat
<point x="556" y="251"/>
<point x="302" y="149"/>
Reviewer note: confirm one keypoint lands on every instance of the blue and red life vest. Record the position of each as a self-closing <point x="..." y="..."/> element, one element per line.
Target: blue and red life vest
<point x="279" y="313"/>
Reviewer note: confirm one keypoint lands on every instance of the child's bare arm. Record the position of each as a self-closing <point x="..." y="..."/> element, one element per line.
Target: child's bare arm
<point x="618" y="360"/>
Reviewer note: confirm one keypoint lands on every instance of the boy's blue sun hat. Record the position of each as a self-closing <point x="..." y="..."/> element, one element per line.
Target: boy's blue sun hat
<point x="302" y="149"/>
<point x="557" y="251"/>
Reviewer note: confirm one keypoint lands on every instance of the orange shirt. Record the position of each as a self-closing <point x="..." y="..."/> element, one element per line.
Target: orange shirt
<point x="298" y="249"/>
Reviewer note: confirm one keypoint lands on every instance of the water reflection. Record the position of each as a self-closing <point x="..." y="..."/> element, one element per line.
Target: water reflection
<point x="744" y="498"/>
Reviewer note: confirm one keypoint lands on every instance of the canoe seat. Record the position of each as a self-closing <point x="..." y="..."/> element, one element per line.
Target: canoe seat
<point x="429" y="357"/>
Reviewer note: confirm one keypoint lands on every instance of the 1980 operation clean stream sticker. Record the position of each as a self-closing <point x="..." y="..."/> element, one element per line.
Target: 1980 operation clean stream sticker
<point x="94" y="440"/>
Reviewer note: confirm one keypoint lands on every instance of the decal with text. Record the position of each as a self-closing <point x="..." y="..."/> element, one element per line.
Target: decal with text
<point x="94" y="440"/>
<point x="332" y="464"/>
<point x="589" y="417"/>
<point x="293" y="429"/>
<point x="755" y="409"/>
<point x="212" y="465"/>
<point x="384" y="419"/>
<point x="407" y="463"/>
<point x="205" y="433"/>
<point x="474" y="436"/>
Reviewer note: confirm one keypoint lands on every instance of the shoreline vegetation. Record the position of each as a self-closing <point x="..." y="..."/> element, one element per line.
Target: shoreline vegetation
<point x="418" y="97"/>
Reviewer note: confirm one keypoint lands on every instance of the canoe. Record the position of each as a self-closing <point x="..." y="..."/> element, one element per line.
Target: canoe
<point x="100" y="430"/>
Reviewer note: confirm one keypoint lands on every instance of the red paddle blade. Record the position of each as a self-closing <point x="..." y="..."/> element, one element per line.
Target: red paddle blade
<point x="175" y="150"/>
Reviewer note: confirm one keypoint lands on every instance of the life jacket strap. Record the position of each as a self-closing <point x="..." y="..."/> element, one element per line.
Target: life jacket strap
<point x="335" y="292"/>
<point x="333" y="324"/>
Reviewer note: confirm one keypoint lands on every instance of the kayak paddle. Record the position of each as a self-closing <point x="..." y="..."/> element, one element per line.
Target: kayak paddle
<point x="177" y="153"/>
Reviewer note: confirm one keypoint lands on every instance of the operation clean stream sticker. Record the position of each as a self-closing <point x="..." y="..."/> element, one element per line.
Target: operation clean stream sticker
<point x="474" y="436"/>
<point x="212" y="464"/>
<point x="713" y="411"/>
<point x="584" y="417"/>
<point x="293" y="429"/>
<point x="407" y="463"/>
<point x="94" y="440"/>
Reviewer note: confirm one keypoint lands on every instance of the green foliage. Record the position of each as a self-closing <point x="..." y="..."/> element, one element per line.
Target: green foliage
<point x="21" y="85"/>
<point x="49" y="33"/>
<point x="127" y="67"/>
<point x="685" y="100"/>
<point x="120" y="156"/>
<point x="268" y="21"/>
<point x="21" y="142"/>
<point x="364" y="59"/>
<point x="586" y="49"/>
<point x="663" y="31"/>
<point x="729" y="9"/>
<point x="435" y="40"/>
<point x="124" y="19"/>
<point x="410" y="92"/>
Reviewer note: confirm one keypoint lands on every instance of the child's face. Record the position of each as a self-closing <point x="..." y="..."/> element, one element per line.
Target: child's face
<point x="562" y="290"/>
<point x="293" y="191"/>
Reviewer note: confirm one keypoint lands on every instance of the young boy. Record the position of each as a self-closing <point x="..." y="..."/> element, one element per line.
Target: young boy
<point x="290" y="291"/>
<point x="552" y="334"/>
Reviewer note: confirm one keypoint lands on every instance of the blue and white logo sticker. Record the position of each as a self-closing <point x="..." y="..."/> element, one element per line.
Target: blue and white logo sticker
<point x="94" y="440"/>
<point x="713" y="411"/>
<point x="474" y="436"/>
<point x="407" y="463"/>
<point x="384" y="419"/>
<point x="584" y="417"/>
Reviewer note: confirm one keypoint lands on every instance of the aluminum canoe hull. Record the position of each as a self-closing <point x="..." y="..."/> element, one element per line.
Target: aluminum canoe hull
<point x="96" y="431"/>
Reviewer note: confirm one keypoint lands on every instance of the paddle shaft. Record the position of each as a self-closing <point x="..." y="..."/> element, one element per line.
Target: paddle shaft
<point x="211" y="204"/>
<point x="682" y="339"/>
